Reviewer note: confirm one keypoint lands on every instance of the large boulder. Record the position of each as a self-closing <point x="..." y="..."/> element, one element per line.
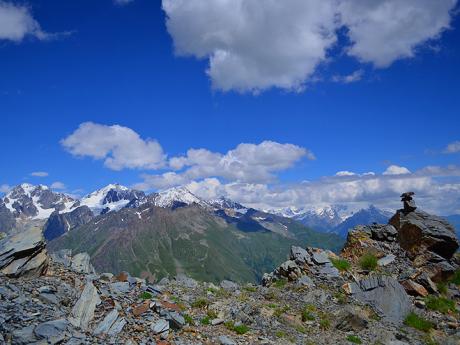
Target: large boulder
<point x="23" y="254"/>
<point x="384" y="294"/>
<point x="419" y="231"/>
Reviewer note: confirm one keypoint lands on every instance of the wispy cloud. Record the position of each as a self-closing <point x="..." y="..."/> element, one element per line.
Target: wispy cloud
<point x="39" y="174"/>
<point x="122" y="2"/>
<point x="350" y="78"/>
<point x="5" y="188"/>
<point x="453" y="147"/>
<point x="58" y="185"/>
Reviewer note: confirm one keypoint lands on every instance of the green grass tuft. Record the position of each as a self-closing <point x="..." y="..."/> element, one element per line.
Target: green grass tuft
<point x="280" y="283"/>
<point x="417" y="322"/>
<point x="200" y="303"/>
<point x="206" y="320"/>
<point x="441" y="304"/>
<point x="354" y="339"/>
<point x="341" y="264"/>
<point x="456" y="278"/>
<point x="240" y="329"/>
<point x="307" y="316"/>
<point x="189" y="320"/>
<point x="368" y="262"/>
<point x="145" y="295"/>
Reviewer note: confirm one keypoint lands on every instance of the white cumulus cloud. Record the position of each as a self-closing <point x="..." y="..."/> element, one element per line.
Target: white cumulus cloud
<point x="396" y="170"/>
<point x="17" y="22"/>
<point x="383" y="31"/>
<point x="253" y="45"/>
<point x="246" y="163"/>
<point x="120" y="147"/>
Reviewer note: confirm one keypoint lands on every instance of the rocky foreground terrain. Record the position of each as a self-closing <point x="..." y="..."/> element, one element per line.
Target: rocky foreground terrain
<point x="392" y="284"/>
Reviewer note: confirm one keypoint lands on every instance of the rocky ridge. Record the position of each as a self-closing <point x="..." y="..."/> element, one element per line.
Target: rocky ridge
<point x="371" y="294"/>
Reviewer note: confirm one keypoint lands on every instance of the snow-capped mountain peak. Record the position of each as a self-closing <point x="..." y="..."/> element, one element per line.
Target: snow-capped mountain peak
<point x="109" y="198"/>
<point x="225" y="203"/>
<point x="172" y="196"/>
<point x="35" y="202"/>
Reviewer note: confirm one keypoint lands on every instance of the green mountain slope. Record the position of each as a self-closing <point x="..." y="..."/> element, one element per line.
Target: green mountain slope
<point x="155" y="242"/>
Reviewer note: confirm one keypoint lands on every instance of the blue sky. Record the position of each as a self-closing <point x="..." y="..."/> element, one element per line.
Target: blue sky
<point x="354" y="106"/>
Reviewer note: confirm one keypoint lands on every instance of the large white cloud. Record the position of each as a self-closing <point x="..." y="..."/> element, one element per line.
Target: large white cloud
<point x="17" y="22"/>
<point x="253" y="45"/>
<point x="383" y="31"/>
<point x="246" y="163"/>
<point x="120" y="147"/>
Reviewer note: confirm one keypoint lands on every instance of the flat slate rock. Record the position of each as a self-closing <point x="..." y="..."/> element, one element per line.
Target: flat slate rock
<point x="83" y="310"/>
<point x="385" y="294"/>
<point x="23" y="254"/>
<point x="52" y="331"/>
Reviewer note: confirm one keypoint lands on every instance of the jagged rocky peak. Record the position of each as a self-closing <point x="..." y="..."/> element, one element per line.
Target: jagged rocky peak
<point x="110" y="198"/>
<point x="37" y="202"/>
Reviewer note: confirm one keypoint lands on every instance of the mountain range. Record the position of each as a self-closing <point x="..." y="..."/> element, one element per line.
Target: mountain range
<point x="160" y="234"/>
<point x="175" y="231"/>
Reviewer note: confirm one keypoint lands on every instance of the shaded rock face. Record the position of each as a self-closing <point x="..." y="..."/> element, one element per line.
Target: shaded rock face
<point x="419" y="231"/>
<point x="58" y="224"/>
<point x="7" y="220"/>
<point x="115" y="195"/>
<point x="23" y="254"/>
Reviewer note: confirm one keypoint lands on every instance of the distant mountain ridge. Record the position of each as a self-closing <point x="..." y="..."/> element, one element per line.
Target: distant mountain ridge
<point x="335" y="218"/>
